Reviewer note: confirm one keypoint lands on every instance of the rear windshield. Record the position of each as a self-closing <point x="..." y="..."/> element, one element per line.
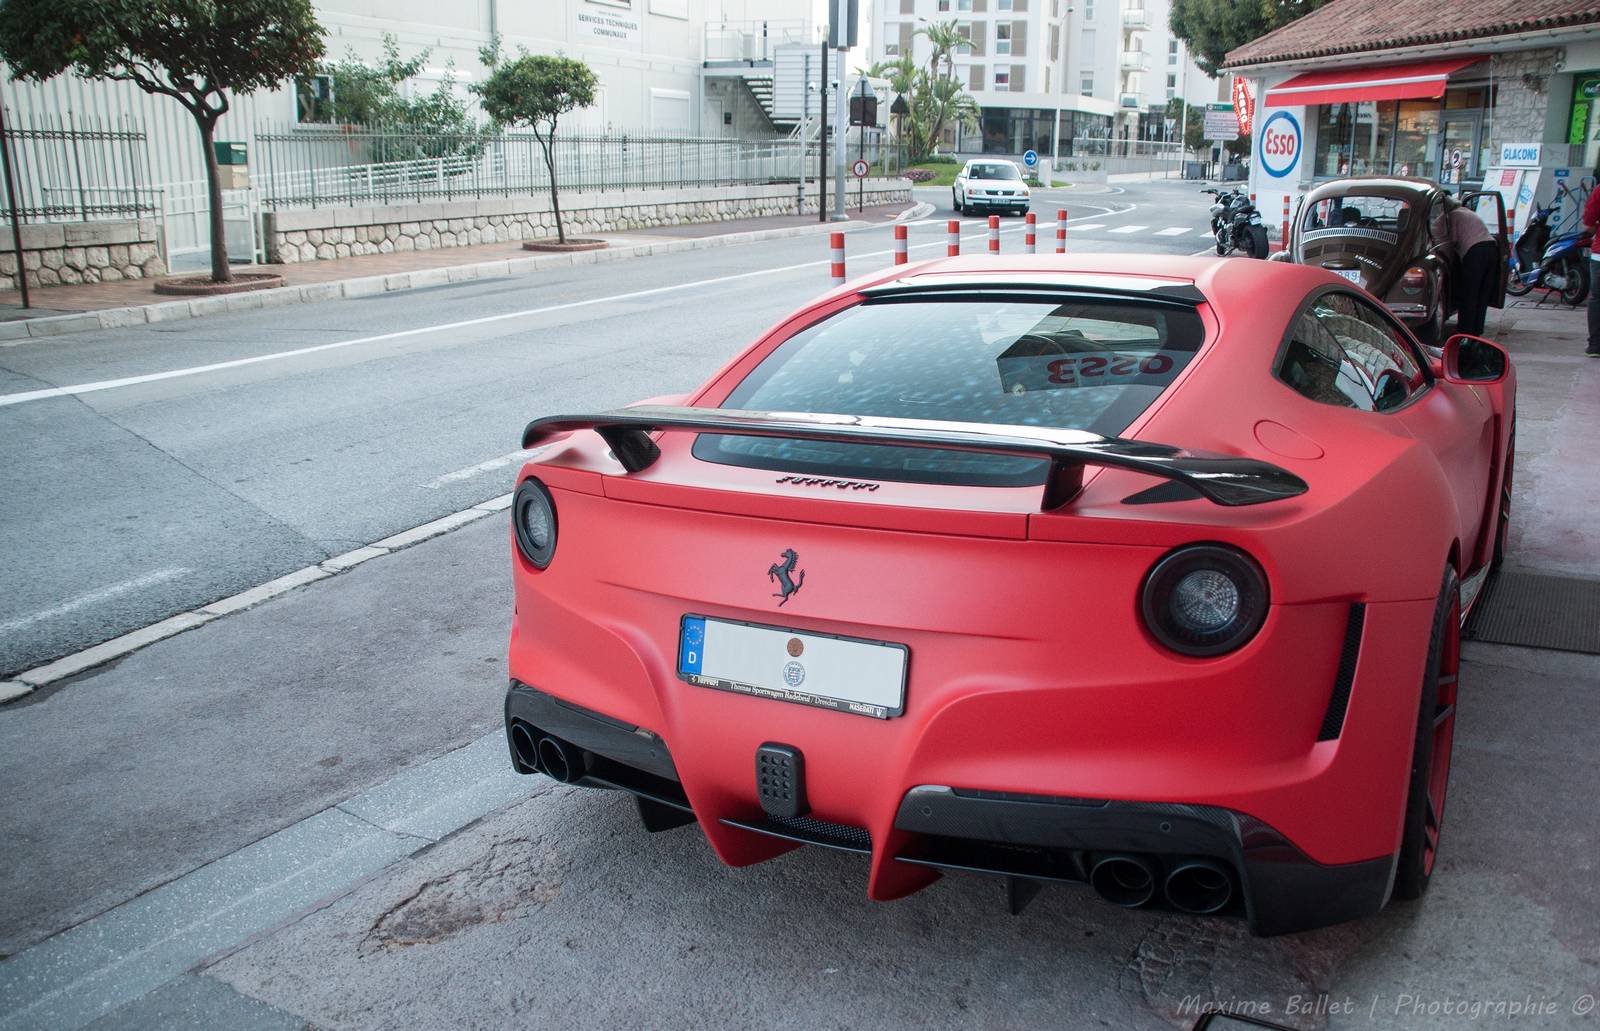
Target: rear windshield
<point x="1084" y="364"/>
<point x="1001" y="171"/>
<point x="1357" y="211"/>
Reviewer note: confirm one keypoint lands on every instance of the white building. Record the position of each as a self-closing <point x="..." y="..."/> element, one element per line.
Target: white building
<point x="1110" y="66"/>
<point x="649" y="56"/>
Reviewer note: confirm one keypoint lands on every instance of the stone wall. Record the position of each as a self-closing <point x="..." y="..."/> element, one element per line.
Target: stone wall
<point x="320" y="234"/>
<point x="1522" y="96"/>
<point x="84" y="252"/>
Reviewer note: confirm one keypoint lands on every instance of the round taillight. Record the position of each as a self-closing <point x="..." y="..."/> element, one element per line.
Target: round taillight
<point x="1204" y="599"/>
<point x="533" y="522"/>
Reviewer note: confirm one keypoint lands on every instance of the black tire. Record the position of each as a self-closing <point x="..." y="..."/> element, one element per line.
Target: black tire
<point x="1431" y="333"/>
<point x="1258" y="242"/>
<point x="1577" y="289"/>
<point x="1222" y="248"/>
<point x="1502" y="529"/>
<point x="956" y="203"/>
<point x="1413" y="872"/>
<point x="1516" y="286"/>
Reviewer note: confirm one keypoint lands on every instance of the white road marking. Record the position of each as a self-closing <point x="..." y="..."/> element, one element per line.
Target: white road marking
<point x="94" y="598"/>
<point x="1087" y="228"/>
<point x="515" y="457"/>
<point x="1172" y="231"/>
<point x="1129" y="229"/>
<point x="196" y="370"/>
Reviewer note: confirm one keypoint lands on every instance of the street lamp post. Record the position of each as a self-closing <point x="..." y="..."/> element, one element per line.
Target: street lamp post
<point x="1061" y="85"/>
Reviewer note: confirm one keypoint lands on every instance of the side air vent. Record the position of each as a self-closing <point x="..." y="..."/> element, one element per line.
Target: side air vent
<point x="1333" y="719"/>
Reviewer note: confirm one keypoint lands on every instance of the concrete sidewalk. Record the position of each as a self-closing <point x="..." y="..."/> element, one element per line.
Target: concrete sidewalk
<point x="90" y="306"/>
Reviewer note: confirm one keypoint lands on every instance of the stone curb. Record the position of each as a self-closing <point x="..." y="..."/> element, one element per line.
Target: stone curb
<point x="20" y="330"/>
<point x="23" y="684"/>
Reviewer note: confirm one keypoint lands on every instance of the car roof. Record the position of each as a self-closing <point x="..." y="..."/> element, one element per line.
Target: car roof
<point x="1374" y="186"/>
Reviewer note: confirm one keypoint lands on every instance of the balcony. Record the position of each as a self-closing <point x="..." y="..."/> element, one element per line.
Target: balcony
<point x="753" y="42"/>
<point x="1128" y="101"/>
<point x="1135" y="19"/>
<point x="1134" y="61"/>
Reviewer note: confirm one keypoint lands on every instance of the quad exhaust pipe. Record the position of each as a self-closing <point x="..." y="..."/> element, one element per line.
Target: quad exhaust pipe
<point x="1124" y="879"/>
<point x="1199" y="886"/>
<point x="540" y="753"/>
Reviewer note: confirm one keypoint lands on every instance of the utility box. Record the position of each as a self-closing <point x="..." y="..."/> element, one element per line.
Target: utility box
<point x="233" y="164"/>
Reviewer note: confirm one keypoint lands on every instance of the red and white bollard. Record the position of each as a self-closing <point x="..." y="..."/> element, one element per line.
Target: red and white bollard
<point x="836" y="250"/>
<point x="1028" y="239"/>
<point x="1061" y="231"/>
<point x="900" y="256"/>
<point x="994" y="234"/>
<point x="953" y="248"/>
<point x="1285" y="222"/>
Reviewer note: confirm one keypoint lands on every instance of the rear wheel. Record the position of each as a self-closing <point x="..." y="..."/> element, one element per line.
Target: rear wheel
<point x="1502" y="533"/>
<point x="1577" y="289"/>
<point x="1432" y="331"/>
<point x="1257" y="241"/>
<point x="1430" y="755"/>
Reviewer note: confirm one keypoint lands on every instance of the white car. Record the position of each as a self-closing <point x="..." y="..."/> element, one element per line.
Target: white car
<point x="988" y="184"/>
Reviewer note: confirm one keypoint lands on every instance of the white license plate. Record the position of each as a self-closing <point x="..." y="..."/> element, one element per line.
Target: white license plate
<point x="1352" y="274"/>
<point x="844" y="673"/>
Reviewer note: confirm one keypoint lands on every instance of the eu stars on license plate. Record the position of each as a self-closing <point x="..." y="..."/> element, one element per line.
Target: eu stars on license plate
<point x="844" y="673"/>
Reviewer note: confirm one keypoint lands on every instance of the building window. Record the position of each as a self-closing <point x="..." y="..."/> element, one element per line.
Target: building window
<point x="1172" y="82"/>
<point x="1002" y="38"/>
<point x="963" y="5"/>
<point x="1086" y="84"/>
<point x="1172" y="51"/>
<point x="1088" y="9"/>
<point x="944" y="5"/>
<point x="314" y="100"/>
<point x="1002" y="5"/>
<point x="1002" y="81"/>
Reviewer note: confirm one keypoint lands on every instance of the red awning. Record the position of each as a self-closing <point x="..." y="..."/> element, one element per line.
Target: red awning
<point x="1411" y="81"/>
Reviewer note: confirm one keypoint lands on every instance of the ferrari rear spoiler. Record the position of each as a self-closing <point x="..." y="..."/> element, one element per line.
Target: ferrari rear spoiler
<point x="1223" y="479"/>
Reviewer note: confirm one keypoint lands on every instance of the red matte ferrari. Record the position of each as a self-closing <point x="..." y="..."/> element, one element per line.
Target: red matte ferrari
<point x="1145" y="572"/>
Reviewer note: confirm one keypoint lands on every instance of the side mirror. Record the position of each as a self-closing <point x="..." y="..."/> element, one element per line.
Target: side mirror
<point x="1470" y="359"/>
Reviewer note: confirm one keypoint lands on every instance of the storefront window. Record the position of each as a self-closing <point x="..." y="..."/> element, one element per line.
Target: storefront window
<point x="1416" y="139"/>
<point x="1584" y="130"/>
<point x="1335" y="128"/>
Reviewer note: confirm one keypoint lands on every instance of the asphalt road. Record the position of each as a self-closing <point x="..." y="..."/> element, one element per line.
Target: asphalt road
<point x="131" y="503"/>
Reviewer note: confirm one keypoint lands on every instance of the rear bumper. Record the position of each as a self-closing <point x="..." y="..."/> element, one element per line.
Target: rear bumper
<point x="1023" y="837"/>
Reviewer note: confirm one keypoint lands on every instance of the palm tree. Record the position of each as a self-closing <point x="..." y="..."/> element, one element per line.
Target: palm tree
<point x="946" y="38"/>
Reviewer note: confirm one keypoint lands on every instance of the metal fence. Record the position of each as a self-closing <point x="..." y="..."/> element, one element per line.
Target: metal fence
<point x="74" y="170"/>
<point x="365" y="166"/>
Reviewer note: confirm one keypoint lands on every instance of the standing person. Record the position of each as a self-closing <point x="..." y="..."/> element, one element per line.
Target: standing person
<point x="1591" y="222"/>
<point x="1477" y="256"/>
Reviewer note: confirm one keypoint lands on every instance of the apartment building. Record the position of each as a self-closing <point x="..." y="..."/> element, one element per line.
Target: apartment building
<point x="1108" y="66"/>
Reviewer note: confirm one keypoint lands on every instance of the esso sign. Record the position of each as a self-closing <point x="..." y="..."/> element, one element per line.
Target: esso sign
<point x="1280" y="144"/>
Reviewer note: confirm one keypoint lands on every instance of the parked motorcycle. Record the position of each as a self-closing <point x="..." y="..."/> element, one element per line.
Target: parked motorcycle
<point x="1560" y="264"/>
<point x="1236" y="224"/>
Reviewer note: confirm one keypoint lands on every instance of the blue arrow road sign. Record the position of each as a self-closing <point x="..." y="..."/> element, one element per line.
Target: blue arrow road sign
<point x="1030" y="158"/>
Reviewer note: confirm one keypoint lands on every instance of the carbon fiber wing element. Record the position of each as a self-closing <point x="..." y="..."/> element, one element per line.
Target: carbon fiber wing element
<point x="1223" y="479"/>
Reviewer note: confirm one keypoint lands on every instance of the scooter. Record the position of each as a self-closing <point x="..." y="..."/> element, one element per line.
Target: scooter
<point x="1560" y="264"/>
<point x="1236" y="224"/>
